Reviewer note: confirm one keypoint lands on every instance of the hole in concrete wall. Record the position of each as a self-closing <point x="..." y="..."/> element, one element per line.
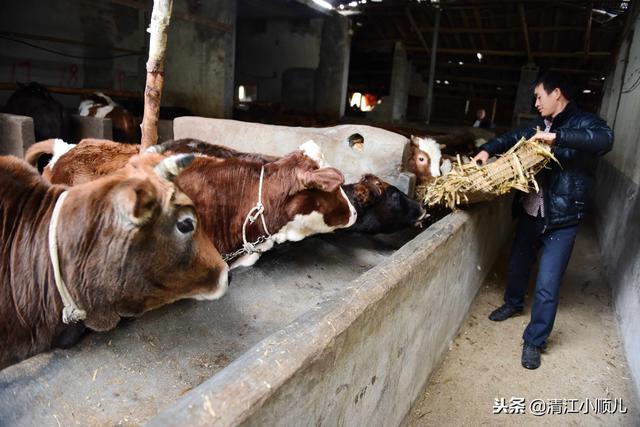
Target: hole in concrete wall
<point x="356" y="141"/>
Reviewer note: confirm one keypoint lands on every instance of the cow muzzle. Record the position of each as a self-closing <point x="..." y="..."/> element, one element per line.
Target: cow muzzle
<point x="221" y="288"/>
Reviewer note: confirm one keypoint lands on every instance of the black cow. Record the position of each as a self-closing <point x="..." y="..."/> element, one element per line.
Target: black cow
<point x="50" y="120"/>
<point x="381" y="207"/>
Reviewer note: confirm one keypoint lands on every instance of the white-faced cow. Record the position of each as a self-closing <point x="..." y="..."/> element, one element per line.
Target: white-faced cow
<point x="246" y="205"/>
<point x="88" y="255"/>
<point x="426" y="160"/>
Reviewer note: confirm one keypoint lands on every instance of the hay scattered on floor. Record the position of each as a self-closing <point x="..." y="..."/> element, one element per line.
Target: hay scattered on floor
<point x="469" y="183"/>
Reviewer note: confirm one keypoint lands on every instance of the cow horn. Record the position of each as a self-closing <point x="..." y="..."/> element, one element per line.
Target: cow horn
<point x="158" y="149"/>
<point x="171" y="167"/>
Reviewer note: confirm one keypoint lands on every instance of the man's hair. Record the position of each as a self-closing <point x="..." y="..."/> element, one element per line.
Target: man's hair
<point x="551" y="80"/>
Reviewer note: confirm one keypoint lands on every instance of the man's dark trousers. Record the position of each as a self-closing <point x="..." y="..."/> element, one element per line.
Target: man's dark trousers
<point x="556" y="245"/>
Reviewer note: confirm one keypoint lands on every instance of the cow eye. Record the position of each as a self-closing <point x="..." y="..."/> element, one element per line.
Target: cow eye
<point x="186" y="222"/>
<point x="186" y="225"/>
<point x="421" y="159"/>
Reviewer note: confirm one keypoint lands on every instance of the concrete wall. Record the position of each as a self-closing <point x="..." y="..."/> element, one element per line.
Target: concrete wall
<point x="617" y="196"/>
<point x="267" y="48"/>
<point x="199" y="67"/>
<point x="100" y="23"/>
<point x="199" y="64"/>
<point x="363" y="356"/>
<point x="384" y="152"/>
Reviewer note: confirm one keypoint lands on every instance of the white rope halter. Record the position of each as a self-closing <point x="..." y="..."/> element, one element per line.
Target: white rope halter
<point x="256" y="212"/>
<point x="252" y="216"/>
<point x="71" y="313"/>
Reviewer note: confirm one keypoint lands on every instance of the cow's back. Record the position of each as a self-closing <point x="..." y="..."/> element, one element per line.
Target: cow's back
<point x="89" y="160"/>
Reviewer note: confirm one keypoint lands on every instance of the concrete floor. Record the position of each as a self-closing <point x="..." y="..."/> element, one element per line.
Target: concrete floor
<point x="584" y="358"/>
<point x="128" y="375"/>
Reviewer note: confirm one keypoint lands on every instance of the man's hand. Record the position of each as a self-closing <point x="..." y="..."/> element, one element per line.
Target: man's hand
<point x="548" y="138"/>
<point x="481" y="158"/>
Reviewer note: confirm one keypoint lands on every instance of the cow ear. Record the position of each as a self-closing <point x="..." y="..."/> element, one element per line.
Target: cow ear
<point x="138" y="201"/>
<point x="325" y="179"/>
<point x="415" y="140"/>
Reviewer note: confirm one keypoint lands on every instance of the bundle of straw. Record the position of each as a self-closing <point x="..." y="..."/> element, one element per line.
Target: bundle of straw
<point x="469" y="183"/>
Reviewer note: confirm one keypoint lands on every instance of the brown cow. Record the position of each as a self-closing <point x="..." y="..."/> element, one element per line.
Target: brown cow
<point x="381" y="207"/>
<point x="300" y="197"/>
<point x="125" y="126"/>
<point x="117" y="246"/>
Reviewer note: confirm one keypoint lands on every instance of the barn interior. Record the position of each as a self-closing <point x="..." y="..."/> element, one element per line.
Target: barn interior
<point x="309" y="332"/>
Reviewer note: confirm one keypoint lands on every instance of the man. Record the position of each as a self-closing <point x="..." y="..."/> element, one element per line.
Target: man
<point x="549" y="219"/>
<point x="482" y="121"/>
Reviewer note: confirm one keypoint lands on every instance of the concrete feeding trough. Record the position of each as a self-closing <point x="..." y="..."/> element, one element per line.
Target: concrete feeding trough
<point x="336" y="329"/>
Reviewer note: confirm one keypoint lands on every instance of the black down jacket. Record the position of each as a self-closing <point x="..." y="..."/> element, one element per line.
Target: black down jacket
<point x="580" y="138"/>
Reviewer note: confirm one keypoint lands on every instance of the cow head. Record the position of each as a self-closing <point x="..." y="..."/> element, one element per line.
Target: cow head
<point x="381" y="207"/>
<point x="309" y="193"/>
<point x="131" y="241"/>
<point x="425" y="160"/>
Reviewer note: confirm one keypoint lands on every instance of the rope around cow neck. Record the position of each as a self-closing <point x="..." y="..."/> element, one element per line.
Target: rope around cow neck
<point x="256" y="212"/>
<point x="71" y="313"/>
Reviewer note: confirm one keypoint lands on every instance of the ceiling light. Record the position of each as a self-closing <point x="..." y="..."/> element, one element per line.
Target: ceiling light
<point x="586" y="91"/>
<point x="323" y="3"/>
<point x="438" y="81"/>
<point x="479" y="55"/>
<point x="353" y="4"/>
<point x="460" y="63"/>
<point x="446" y="82"/>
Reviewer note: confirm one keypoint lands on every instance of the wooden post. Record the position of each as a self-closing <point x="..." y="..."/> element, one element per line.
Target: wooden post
<point x="160" y="18"/>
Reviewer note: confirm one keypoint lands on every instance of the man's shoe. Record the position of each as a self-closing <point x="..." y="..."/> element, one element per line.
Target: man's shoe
<point x="504" y="312"/>
<point x="530" y="356"/>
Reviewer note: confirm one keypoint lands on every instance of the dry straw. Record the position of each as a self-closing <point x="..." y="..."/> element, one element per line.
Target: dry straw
<point x="469" y="183"/>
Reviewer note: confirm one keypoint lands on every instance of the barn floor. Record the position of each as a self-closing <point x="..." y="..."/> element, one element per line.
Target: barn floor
<point x="128" y="375"/>
<point x="584" y="359"/>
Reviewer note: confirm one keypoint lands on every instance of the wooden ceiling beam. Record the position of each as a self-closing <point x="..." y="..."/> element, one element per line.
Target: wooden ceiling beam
<point x="456" y="35"/>
<point x="488" y="52"/>
<point x="587" y="34"/>
<point x="416" y="30"/>
<point x="525" y="31"/>
<point x="444" y="88"/>
<point x="400" y="29"/>
<point x="490" y="82"/>
<point x="535" y="29"/>
<point x="554" y="47"/>
<point x="483" y="39"/>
